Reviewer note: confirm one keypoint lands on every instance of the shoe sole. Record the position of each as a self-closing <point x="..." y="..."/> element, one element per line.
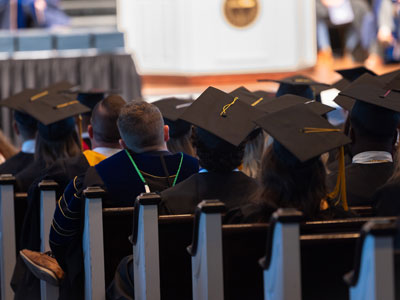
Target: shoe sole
<point x="39" y="271"/>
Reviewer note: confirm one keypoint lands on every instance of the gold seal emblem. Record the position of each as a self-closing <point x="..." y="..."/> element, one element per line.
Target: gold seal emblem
<point x="241" y="13"/>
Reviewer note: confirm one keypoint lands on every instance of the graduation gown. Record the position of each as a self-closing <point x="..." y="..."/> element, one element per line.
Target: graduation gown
<point x="16" y="163"/>
<point x="362" y="181"/>
<point x="386" y="200"/>
<point x="117" y="176"/>
<point x="233" y="188"/>
<point x="25" y="285"/>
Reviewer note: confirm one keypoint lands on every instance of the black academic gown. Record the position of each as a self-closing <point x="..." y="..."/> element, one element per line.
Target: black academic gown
<point x="386" y="200"/>
<point x="117" y="176"/>
<point x="16" y="163"/>
<point x="28" y="175"/>
<point x="24" y="284"/>
<point x="233" y="188"/>
<point x="362" y="181"/>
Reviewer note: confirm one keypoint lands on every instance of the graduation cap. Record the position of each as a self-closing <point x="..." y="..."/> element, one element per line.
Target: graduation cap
<point x="48" y="108"/>
<point x="387" y="77"/>
<point x="247" y="97"/>
<point x="354" y="73"/>
<point x="90" y="99"/>
<point x="300" y="135"/>
<point x="296" y="129"/>
<point x="296" y="85"/>
<point x="172" y="109"/>
<point x="276" y="104"/>
<point x="376" y="109"/>
<point x="222" y="115"/>
<point x="350" y="75"/>
<point x="345" y="100"/>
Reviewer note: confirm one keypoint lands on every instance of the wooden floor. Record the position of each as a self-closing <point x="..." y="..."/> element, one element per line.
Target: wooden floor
<point x="155" y="87"/>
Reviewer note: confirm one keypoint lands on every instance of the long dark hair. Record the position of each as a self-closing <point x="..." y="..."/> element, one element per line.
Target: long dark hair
<point x="302" y="186"/>
<point x="49" y="151"/>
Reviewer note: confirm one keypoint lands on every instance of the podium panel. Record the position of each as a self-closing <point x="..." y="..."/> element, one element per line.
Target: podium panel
<point x="191" y="37"/>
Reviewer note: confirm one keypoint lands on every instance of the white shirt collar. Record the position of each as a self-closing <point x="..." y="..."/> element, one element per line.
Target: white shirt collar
<point x="28" y="146"/>
<point x="85" y="135"/>
<point x="106" y="151"/>
<point x="372" y="157"/>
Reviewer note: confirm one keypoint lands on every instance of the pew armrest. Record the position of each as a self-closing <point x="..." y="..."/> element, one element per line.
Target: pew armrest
<point x="375" y="228"/>
<point x="282" y="215"/>
<point x="207" y="207"/>
<point x="7" y="179"/>
<point x="142" y="199"/>
<point x="48" y="185"/>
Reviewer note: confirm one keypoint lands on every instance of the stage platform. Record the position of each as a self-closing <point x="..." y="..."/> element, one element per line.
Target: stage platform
<point x="155" y="87"/>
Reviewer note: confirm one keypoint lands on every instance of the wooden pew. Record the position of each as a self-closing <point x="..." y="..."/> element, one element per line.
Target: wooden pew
<point x="206" y="251"/>
<point x="373" y="275"/>
<point x="48" y="203"/>
<point x="247" y="243"/>
<point x="281" y="265"/>
<point x="7" y="235"/>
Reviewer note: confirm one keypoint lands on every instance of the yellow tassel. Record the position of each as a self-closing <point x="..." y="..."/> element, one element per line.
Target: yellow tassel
<point x="40" y="95"/>
<point x="66" y="104"/>
<point x="257" y="101"/>
<point x="225" y="108"/>
<point x="80" y="130"/>
<point x="339" y="191"/>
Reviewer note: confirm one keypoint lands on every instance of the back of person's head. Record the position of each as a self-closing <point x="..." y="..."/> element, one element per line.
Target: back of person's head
<point x="374" y="123"/>
<point x="104" y="119"/>
<point x="253" y="152"/>
<point x="141" y="126"/>
<point x="299" y="90"/>
<point x="183" y="143"/>
<point x="56" y="141"/>
<point x="215" y="154"/>
<point x="287" y="182"/>
<point x="27" y="125"/>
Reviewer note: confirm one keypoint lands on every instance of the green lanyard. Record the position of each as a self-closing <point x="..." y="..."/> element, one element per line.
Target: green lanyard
<point x="141" y="176"/>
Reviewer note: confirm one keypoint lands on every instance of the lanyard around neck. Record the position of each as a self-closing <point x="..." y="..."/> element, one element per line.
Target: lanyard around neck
<point x="146" y="186"/>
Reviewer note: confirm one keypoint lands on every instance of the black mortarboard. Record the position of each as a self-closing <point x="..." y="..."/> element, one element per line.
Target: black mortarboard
<point x="393" y="84"/>
<point x="247" y="97"/>
<point x="276" y="104"/>
<point x="222" y="115"/>
<point x="376" y="109"/>
<point x="264" y="94"/>
<point x="172" y="109"/>
<point x="387" y="77"/>
<point x="300" y="134"/>
<point x="346" y="101"/>
<point x="90" y="99"/>
<point x="296" y="85"/>
<point x="354" y="73"/>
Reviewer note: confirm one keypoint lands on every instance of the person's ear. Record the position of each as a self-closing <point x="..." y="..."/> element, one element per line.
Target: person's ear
<point x="122" y="144"/>
<point x="166" y="133"/>
<point x="90" y="131"/>
<point x="16" y="129"/>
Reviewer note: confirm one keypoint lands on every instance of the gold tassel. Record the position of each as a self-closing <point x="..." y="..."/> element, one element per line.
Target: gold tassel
<point x="339" y="191"/>
<point x="80" y="130"/>
<point x="66" y="104"/>
<point x="225" y="108"/>
<point x="40" y="95"/>
<point x="257" y="101"/>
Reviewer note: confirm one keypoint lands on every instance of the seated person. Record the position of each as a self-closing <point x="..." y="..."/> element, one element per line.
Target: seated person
<point x="373" y="129"/>
<point x="145" y="165"/>
<point x="220" y="154"/>
<point x="104" y="136"/>
<point x="25" y="128"/>
<point x="292" y="173"/>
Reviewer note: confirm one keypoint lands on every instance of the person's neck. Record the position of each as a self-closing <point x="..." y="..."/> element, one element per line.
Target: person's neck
<point x="158" y="148"/>
<point x="96" y="144"/>
<point x="365" y="147"/>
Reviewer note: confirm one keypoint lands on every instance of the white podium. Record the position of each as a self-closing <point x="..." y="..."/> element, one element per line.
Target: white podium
<point x="200" y="37"/>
